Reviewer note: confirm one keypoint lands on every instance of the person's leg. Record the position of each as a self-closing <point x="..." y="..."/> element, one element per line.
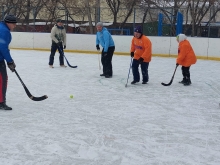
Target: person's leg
<point x="135" y="71"/>
<point x="187" y="74"/>
<point x="144" y="70"/>
<point x="3" y="86"/>
<point x="108" y="63"/>
<point x="61" y="58"/>
<point x="184" y="75"/>
<point x="52" y="54"/>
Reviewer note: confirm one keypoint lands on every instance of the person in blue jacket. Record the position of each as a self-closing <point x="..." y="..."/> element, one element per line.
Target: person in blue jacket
<point x="6" y="26"/>
<point x="104" y="38"/>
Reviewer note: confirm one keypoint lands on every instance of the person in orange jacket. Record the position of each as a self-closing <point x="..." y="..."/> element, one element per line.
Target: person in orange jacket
<point x="186" y="57"/>
<point x="141" y="52"/>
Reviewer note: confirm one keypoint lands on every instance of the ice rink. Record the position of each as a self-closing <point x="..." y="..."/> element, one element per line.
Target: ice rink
<point x="106" y="123"/>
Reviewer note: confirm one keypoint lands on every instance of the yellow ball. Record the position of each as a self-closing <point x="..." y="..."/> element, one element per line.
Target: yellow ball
<point x="71" y="96"/>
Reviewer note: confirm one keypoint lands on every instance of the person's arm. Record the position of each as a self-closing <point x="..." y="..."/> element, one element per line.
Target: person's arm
<point x="4" y="49"/>
<point x="132" y="45"/>
<point x="64" y="37"/>
<point x="182" y="54"/>
<point x="97" y="42"/>
<point x="106" y="41"/>
<point x="52" y="35"/>
<point x="147" y="49"/>
<point x="97" y="39"/>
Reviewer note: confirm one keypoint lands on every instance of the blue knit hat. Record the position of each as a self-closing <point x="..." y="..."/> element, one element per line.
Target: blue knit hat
<point x="138" y="29"/>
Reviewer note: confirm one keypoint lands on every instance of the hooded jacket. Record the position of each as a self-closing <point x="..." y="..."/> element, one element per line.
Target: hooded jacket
<point x="186" y="56"/>
<point x="141" y="47"/>
<point x="104" y="38"/>
<point x="5" y="39"/>
<point x="58" y="34"/>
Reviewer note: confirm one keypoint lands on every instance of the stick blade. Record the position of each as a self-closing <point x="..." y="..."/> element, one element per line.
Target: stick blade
<point x="39" y="98"/>
<point x="72" y="66"/>
<point x="32" y="97"/>
<point x="167" y="84"/>
<point x="69" y="64"/>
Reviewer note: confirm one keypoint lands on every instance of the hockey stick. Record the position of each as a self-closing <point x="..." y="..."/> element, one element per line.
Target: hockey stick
<point x="66" y="58"/>
<point x="171" y="78"/>
<point x="99" y="60"/>
<point x="129" y="72"/>
<point x="28" y="93"/>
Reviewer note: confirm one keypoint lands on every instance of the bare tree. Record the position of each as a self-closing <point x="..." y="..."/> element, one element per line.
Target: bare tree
<point x="88" y="11"/>
<point x="121" y="11"/>
<point x="114" y="6"/>
<point x="195" y="11"/>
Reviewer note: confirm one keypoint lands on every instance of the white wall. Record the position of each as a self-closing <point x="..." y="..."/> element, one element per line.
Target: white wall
<point x="204" y="47"/>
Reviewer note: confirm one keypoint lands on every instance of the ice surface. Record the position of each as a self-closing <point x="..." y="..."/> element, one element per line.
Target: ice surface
<point x="106" y="123"/>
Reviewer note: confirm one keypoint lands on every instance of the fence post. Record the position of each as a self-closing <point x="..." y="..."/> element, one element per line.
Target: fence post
<point x="160" y="24"/>
<point x="179" y="25"/>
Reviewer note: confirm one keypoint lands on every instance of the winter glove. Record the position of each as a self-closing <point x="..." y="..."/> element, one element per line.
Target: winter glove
<point x="11" y="66"/>
<point x="97" y="47"/>
<point x="177" y="64"/>
<point x="132" y="54"/>
<point x="105" y="54"/>
<point x="140" y="60"/>
<point x="64" y="47"/>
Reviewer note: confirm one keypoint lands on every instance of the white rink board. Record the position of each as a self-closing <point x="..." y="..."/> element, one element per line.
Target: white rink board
<point x="205" y="47"/>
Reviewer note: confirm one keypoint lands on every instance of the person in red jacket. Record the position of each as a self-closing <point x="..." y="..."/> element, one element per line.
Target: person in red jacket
<point x="186" y="57"/>
<point x="141" y="51"/>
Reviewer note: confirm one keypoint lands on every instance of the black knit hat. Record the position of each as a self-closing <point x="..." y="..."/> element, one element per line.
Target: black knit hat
<point x="59" y="20"/>
<point x="10" y="19"/>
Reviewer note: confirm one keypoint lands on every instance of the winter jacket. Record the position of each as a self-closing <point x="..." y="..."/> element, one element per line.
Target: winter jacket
<point x="142" y="47"/>
<point x="58" y="34"/>
<point x="5" y="39"/>
<point x="104" y="38"/>
<point x="186" y="56"/>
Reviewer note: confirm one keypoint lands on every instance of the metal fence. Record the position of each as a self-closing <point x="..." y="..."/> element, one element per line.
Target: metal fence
<point x="83" y="20"/>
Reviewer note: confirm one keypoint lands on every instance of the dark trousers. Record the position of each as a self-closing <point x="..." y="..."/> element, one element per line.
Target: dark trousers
<point x="3" y="81"/>
<point x="185" y="72"/>
<point x="107" y="61"/>
<point x="54" y="48"/>
<point x="144" y="70"/>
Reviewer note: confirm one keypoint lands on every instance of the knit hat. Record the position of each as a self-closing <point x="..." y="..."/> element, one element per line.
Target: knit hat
<point x="99" y="24"/>
<point x="138" y="29"/>
<point x="59" y="20"/>
<point x="181" y="37"/>
<point x="10" y="19"/>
